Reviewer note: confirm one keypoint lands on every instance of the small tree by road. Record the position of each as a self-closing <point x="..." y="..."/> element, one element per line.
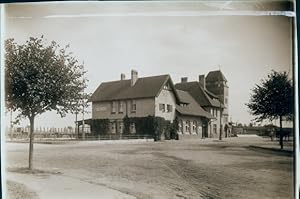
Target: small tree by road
<point x="40" y="78"/>
<point x="273" y="99"/>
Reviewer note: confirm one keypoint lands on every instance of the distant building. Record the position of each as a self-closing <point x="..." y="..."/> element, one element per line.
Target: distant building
<point x="191" y="104"/>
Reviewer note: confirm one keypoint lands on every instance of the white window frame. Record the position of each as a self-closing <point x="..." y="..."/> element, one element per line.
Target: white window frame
<point x="169" y="108"/>
<point x="113" y="107"/>
<point x="162" y="107"/>
<point x="133" y="106"/>
<point x="121" y="106"/>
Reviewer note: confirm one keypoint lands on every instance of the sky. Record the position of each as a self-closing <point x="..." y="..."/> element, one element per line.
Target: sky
<point x="154" y="38"/>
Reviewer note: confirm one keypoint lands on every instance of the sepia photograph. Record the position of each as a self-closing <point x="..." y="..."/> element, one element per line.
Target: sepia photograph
<point x="149" y="100"/>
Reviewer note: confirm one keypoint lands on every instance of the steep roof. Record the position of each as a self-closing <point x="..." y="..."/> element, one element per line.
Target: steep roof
<point x="192" y="108"/>
<point x="144" y="87"/>
<point x="201" y="95"/>
<point x="214" y="76"/>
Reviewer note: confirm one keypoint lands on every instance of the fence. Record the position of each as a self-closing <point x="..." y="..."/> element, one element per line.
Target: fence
<point x="22" y="133"/>
<point x="43" y="132"/>
<point x="118" y="137"/>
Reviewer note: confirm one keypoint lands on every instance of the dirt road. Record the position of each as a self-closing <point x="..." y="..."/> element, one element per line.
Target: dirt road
<point x="171" y="169"/>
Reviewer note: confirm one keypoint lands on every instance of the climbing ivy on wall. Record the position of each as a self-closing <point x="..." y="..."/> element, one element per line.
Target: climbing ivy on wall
<point x="158" y="127"/>
<point x="100" y="126"/>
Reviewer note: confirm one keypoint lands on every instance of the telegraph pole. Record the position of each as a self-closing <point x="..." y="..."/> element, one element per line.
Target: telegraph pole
<point x="83" y="133"/>
<point x="219" y="85"/>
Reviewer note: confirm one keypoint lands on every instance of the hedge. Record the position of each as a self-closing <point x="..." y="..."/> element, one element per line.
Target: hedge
<point x="100" y="126"/>
<point x="157" y="127"/>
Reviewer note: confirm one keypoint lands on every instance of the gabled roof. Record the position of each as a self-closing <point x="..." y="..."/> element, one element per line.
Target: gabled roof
<point x="145" y="87"/>
<point x="202" y="96"/>
<point x="214" y="76"/>
<point x="192" y="108"/>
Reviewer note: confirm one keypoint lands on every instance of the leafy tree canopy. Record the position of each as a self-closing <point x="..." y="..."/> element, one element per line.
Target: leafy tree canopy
<point x="40" y="77"/>
<point x="273" y="98"/>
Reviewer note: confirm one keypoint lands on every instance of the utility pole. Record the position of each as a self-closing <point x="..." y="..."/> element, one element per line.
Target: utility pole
<point x="220" y="134"/>
<point x="220" y="138"/>
<point x="83" y="132"/>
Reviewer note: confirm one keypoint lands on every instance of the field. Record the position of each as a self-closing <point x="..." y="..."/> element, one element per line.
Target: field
<point x="139" y="169"/>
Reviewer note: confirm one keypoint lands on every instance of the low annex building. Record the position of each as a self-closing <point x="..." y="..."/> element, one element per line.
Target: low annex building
<point x="126" y="103"/>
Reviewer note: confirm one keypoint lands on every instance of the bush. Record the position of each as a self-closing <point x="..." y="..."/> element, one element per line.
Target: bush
<point x="154" y="126"/>
<point x="100" y="126"/>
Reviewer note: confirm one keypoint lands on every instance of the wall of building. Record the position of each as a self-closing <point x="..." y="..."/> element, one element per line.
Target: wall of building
<point x="214" y="123"/>
<point x="165" y="97"/>
<point x="190" y="125"/>
<point x="222" y="92"/>
<point x="103" y="110"/>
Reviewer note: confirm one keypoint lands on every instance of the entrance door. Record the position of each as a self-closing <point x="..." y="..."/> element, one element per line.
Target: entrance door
<point x="204" y="130"/>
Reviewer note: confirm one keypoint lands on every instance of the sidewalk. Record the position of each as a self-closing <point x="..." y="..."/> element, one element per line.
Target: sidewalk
<point x="59" y="186"/>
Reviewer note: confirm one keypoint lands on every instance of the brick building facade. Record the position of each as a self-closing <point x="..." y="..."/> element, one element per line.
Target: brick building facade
<point x="196" y="108"/>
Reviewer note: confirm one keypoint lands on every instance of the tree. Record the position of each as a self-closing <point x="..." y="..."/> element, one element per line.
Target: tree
<point x="40" y="78"/>
<point x="273" y="99"/>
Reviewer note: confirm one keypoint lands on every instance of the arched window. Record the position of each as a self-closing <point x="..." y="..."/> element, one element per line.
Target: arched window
<point x="180" y="126"/>
<point x="132" y="128"/>
<point x="194" y="127"/>
<point x="187" y="126"/>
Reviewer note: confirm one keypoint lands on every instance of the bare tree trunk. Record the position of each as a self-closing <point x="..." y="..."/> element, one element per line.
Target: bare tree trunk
<point x="76" y="129"/>
<point x="280" y="133"/>
<point x="31" y="137"/>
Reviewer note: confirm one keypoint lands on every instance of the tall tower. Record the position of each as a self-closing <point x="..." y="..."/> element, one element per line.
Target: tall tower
<point x="217" y="84"/>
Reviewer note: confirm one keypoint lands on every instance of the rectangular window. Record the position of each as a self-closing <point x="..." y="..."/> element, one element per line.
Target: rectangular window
<point x="169" y="108"/>
<point x="113" y="107"/>
<point x="215" y="129"/>
<point x="187" y="126"/>
<point x="194" y="126"/>
<point x="162" y="107"/>
<point x="225" y="120"/>
<point x="120" y="124"/>
<point x="121" y="106"/>
<point x="132" y="128"/>
<point x="133" y="106"/>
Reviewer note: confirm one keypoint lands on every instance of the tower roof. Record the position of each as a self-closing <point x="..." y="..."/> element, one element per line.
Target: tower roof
<point x="214" y="76"/>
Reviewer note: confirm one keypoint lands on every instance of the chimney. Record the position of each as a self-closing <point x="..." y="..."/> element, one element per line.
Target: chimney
<point x="134" y="77"/>
<point x="184" y="80"/>
<point x="202" y="81"/>
<point x="122" y="76"/>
